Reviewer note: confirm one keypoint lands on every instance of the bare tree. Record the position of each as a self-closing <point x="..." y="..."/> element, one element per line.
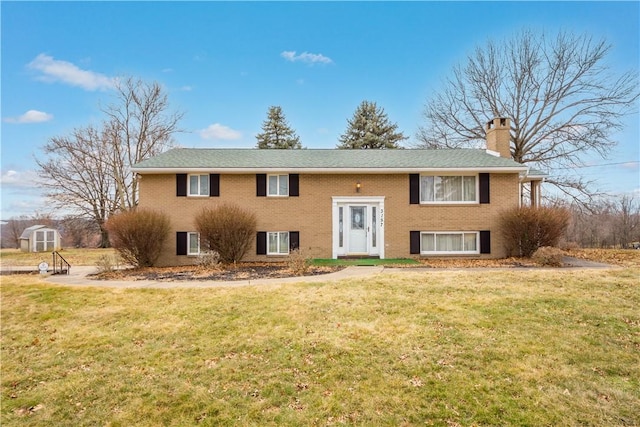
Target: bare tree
<point x="89" y="171"/>
<point x="627" y="221"/>
<point x="78" y="231"/>
<point x="139" y="126"/>
<point x="12" y="230"/>
<point x="562" y="100"/>
<point x="611" y="221"/>
<point x="77" y="175"/>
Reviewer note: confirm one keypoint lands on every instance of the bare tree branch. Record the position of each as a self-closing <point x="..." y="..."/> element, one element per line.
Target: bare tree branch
<point x="89" y="171"/>
<point x="563" y="102"/>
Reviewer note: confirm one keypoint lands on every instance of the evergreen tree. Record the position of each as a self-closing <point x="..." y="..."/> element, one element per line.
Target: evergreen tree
<point x="276" y="132"/>
<point x="370" y="128"/>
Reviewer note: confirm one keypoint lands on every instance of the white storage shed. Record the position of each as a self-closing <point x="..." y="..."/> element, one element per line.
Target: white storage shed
<point x="39" y="238"/>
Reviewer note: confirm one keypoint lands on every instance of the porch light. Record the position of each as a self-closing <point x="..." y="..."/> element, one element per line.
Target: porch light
<point x="358" y="187"/>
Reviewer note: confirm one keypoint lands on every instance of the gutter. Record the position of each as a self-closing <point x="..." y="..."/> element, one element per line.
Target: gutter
<point x="370" y="171"/>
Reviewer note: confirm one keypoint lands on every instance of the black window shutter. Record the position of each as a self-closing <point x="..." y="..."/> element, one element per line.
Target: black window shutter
<point x="484" y="187"/>
<point x="294" y="240"/>
<point x="261" y="185"/>
<point x="414" y="189"/>
<point x="294" y="185"/>
<point x="181" y="185"/>
<point x="485" y="242"/>
<point x="261" y="243"/>
<point x="414" y="246"/>
<point x="214" y="185"/>
<point x="181" y="243"/>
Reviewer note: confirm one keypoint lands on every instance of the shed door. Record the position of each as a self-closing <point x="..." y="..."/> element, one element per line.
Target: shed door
<point x="45" y="240"/>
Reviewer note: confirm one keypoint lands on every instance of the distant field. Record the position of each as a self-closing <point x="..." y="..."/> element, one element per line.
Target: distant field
<point x="443" y="348"/>
<point x="14" y="257"/>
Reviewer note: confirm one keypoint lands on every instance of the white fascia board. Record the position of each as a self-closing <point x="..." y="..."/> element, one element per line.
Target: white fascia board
<point x="352" y="171"/>
<point x="528" y="178"/>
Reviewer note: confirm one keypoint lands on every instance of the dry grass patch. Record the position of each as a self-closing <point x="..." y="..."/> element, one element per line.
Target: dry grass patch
<point x="81" y="256"/>
<point x="620" y="257"/>
<point x="439" y="348"/>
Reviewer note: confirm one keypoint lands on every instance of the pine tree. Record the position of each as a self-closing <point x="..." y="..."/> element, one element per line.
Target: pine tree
<point x="276" y="132"/>
<point x="370" y="128"/>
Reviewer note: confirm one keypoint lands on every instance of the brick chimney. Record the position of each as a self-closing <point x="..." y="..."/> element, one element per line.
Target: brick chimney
<point x="499" y="137"/>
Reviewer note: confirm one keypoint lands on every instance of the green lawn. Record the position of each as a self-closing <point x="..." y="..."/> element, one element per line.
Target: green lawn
<point x="459" y="348"/>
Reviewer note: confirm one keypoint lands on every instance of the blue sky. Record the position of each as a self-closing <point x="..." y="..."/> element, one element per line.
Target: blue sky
<point x="223" y="64"/>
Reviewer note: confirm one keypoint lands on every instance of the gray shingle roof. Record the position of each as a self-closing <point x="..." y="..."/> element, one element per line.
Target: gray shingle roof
<point x="235" y="160"/>
<point x="26" y="233"/>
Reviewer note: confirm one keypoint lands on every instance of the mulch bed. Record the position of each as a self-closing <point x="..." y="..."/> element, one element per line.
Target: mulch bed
<point x="240" y="271"/>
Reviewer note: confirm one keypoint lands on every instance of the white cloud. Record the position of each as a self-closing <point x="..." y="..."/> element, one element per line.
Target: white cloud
<point x="54" y="70"/>
<point x="218" y="131"/>
<point x="14" y="178"/>
<point x="31" y="116"/>
<point x="186" y="88"/>
<point x="306" y="57"/>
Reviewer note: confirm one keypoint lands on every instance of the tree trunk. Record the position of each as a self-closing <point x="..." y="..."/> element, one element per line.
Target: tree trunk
<point x="104" y="237"/>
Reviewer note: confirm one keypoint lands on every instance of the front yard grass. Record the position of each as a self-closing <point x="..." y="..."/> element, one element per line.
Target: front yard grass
<point x="75" y="256"/>
<point x="457" y="348"/>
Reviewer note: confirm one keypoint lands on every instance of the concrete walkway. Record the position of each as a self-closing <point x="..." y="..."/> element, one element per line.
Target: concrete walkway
<point x="78" y="276"/>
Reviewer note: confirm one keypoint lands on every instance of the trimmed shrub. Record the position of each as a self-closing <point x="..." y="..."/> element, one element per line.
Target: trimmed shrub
<point x="208" y="259"/>
<point x="108" y="263"/>
<point x="227" y="229"/>
<point x="549" y="256"/>
<point x="298" y="262"/>
<point x="139" y="235"/>
<point x="525" y="229"/>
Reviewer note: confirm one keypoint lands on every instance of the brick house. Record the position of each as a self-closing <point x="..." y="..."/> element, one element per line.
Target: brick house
<point x="340" y="203"/>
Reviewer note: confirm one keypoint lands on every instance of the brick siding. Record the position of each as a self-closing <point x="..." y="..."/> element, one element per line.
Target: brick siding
<point x="311" y="212"/>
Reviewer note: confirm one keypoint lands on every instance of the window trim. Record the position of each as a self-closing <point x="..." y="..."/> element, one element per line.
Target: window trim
<point x="199" y="175"/>
<point x="463" y="252"/>
<point x="189" y="237"/>
<point x="450" y="202"/>
<point x="278" y="176"/>
<point x="288" y="246"/>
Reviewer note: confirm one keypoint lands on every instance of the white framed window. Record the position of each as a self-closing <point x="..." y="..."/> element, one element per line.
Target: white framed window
<point x="278" y="243"/>
<point x="193" y="243"/>
<point x="449" y="243"/>
<point x="277" y="185"/>
<point x="199" y="185"/>
<point x="448" y="189"/>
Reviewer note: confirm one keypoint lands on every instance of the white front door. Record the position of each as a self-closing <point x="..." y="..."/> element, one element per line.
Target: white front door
<point x="358" y="226"/>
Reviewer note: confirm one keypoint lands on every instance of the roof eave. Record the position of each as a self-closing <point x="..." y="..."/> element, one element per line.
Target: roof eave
<point x="171" y="170"/>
